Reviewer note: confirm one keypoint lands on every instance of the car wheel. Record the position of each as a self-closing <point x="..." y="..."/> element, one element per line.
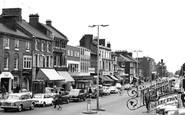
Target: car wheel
<point x="32" y="106"/>
<point x="20" y="108"/>
<point x="44" y="104"/>
<point x="51" y="103"/>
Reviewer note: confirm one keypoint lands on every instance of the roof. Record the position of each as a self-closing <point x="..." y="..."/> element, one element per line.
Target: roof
<point x="55" y="31"/>
<point x="4" y="29"/>
<point x="33" y="30"/>
<point x="135" y="60"/>
<point x="124" y="58"/>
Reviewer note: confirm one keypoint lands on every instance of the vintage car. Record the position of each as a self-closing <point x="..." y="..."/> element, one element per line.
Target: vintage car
<point x="42" y="99"/>
<point x="106" y="90"/>
<point x="113" y="89"/>
<point x="77" y="94"/>
<point x="18" y="101"/>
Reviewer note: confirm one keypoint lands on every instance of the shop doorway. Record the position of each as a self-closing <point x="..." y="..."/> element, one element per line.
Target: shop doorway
<point x="5" y="82"/>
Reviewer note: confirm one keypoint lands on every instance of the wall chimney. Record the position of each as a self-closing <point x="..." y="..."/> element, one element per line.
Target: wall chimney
<point x="48" y="22"/>
<point x="34" y="19"/>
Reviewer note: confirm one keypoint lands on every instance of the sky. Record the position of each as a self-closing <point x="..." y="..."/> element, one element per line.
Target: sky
<point x="157" y="27"/>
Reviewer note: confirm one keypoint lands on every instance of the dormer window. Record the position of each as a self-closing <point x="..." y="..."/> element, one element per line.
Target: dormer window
<point x="6" y="43"/>
<point x="16" y="43"/>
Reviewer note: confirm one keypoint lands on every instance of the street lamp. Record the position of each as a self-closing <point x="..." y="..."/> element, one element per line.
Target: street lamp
<point x="137" y="62"/>
<point x="98" y="107"/>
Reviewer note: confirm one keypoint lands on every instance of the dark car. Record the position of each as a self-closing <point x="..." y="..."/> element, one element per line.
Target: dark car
<point x="78" y="94"/>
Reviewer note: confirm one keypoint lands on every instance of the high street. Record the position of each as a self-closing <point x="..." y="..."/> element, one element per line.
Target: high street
<point x="114" y="104"/>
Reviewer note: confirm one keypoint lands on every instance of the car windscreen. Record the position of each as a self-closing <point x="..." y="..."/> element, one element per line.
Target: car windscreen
<point x="37" y="96"/>
<point x="13" y="97"/>
<point x="74" y="92"/>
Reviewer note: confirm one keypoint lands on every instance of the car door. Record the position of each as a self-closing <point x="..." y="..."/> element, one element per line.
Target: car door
<point x="27" y="101"/>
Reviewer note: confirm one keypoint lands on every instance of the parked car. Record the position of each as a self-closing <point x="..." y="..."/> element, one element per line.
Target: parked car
<point x="42" y="99"/>
<point x="78" y="94"/>
<point x="113" y="89"/>
<point x="18" y="101"/>
<point x="95" y="89"/>
<point x="127" y="86"/>
<point x="106" y="90"/>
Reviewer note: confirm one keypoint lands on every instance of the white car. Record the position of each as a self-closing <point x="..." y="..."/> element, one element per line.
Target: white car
<point x="127" y="86"/>
<point x="42" y="99"/>
<point x="106" y="90"/>
<point x="113" y="89"/>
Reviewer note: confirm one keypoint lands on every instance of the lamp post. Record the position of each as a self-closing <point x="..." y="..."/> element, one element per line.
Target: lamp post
<point x="98" y="103"/>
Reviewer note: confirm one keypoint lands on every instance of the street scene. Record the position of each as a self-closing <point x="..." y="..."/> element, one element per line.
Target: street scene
<point x="92" y="57"/>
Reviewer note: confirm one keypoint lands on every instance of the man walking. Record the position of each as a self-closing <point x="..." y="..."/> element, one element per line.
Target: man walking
<point x="147" y="101"/>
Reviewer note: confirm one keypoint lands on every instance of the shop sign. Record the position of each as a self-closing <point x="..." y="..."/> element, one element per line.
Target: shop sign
<point x="163" y="101"/>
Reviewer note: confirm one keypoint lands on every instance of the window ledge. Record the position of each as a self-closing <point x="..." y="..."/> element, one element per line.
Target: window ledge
<point x="16" y="49"/>
<point x="15" y="68"/>
<point x="27" y="50"/>
<point x="5" y="68"/>
<point x="7" y="48"/>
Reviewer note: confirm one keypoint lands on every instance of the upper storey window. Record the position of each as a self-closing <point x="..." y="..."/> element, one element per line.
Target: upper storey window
<point x="6" y="43"/>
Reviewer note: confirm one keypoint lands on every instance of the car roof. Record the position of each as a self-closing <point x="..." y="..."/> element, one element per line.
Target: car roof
<point x="19" y="94"/>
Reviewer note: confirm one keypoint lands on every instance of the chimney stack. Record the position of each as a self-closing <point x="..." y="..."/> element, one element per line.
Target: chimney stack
<point x="48" y="22"/>
<point x="34" y="19"/>
<point x="13" y="12"/>
<point x="108" y="45"/>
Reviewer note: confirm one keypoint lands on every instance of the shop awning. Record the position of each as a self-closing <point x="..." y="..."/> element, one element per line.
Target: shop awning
<point x="108" y="78"/>
<point x="6" y="75"/>
<point x="49" y="74"/>
<point x="66" y="75"/>
<point x="104" y="78"/>
<point x="119" y="77"/>
<point x="113" y="77"/>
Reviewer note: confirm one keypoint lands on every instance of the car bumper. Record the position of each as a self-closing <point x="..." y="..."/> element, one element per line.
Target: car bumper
<point x="9" y="107"/>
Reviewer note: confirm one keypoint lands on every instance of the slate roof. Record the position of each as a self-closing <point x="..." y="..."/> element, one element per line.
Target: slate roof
<point x="33" y="30"/>
<point x="135" y="60"/>
<point x="123" y="58"/>
<point x="4" y="29"/>
<point x="55" y="32"/>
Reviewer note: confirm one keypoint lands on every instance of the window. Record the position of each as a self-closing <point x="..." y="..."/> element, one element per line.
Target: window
<point x="6" y="43"/>
<point x="27" y="46"/>
<point x="68" y="53"/>
<point x="16" y="43"/>
<point x="16" y="61"/>
<point x="48" y="46"/>
<point x="36" y="45"/>
<point x="27" y="62"/>
<point x="42" y="46"/>
<point x="47" y="61"/>
<point x="6" y="61"/>
<point x="71" y="53"/>
<point x="55" y="60"/>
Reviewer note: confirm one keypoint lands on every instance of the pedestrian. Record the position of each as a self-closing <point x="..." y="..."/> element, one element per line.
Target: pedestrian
<point x="59" y="101"/>
<point x="17" y="89"/>
<point x="3" y="91"/>
<point x="183" y="99"/>
<point x="55" y="98"/>
<point x="147" y="101"/>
